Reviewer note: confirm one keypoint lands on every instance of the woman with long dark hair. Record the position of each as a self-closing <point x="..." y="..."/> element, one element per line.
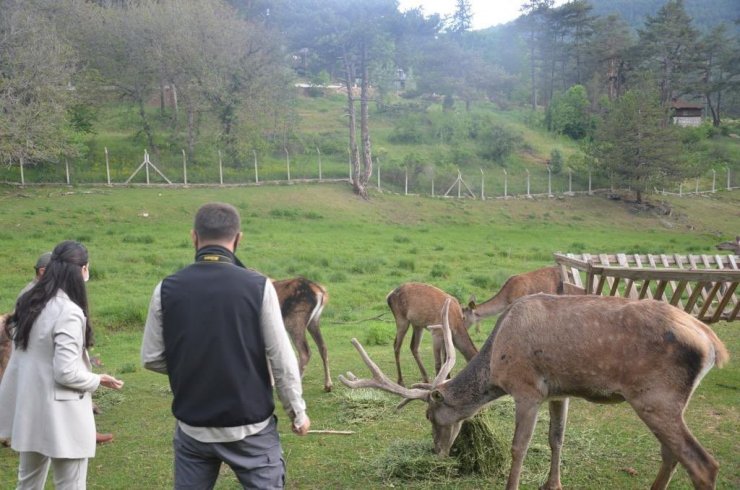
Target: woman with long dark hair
<point x="46" y="392"/>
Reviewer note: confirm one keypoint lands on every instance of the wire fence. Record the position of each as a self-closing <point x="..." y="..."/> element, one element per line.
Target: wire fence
<point x="451" y="182"/>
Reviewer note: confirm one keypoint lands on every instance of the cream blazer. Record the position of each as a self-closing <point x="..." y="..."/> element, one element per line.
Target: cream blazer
<point x="45" y="394"/>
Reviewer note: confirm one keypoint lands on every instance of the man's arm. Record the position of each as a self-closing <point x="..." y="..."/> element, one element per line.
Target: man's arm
<point x="152" y="345"/>
<point x="282" y="359"/>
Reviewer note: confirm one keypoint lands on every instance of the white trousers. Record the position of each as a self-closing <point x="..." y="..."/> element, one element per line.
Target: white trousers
<point x="68" y="474"/>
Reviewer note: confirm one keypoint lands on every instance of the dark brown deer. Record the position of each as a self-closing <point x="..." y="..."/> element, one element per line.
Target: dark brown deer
<point x="417" y="305"/>
<point x="733" y="247"/>
<point x="301" y="304"/>
<point x="547" y="280"/>
<point x="601" y="348"/>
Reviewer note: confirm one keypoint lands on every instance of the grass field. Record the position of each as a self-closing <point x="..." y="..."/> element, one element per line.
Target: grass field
<point x="360" y="250"/>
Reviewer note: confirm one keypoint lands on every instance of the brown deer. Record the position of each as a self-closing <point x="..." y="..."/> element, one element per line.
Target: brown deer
<point x="733" y="247"/>
<point x="601" y="348"/>
<point x="546" y="280"/>
<point x="419" y="305"/>
<point x="301" y="304"/>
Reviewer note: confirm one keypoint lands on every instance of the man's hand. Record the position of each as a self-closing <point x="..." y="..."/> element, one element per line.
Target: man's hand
<point x="110" y="382"/>
<point x="303" y="429"/>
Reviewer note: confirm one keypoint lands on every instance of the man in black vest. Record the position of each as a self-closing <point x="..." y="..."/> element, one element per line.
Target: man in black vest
<point x="216" y="330"/>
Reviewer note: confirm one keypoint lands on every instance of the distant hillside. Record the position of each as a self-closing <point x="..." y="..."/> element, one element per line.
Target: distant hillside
<point x="705" y="13"/>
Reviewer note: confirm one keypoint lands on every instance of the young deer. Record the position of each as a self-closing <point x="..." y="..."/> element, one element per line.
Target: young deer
<point x="603" y="349"/>
<point x="419" y="305"/>
<point x="301" y="303"/>
<point x="545" y="280"/>
<point x="733" y="247"/>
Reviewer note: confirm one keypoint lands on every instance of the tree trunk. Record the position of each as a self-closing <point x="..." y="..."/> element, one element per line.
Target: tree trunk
<point x="351" y="124"/>
<point x="146" y="127"/>
<point x="367" y="156"/>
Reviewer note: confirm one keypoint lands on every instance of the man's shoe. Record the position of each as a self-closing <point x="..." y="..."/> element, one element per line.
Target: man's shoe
<point x="103" y="438"/>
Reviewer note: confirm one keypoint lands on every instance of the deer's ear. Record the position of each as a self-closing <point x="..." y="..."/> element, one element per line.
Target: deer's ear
<point x="437" y="396"/>
<point x="471" y="304"/>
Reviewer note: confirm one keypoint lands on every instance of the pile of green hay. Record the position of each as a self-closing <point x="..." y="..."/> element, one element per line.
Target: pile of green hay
<point x="480" y="448"/>
<point x="414" y="461"/>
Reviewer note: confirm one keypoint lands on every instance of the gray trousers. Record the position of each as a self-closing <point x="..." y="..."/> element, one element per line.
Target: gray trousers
<point x="257" y="460"/>
<point x="69" y="474"/>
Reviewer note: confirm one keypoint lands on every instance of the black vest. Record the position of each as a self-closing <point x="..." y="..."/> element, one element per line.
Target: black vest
<point x="215" y="352"/>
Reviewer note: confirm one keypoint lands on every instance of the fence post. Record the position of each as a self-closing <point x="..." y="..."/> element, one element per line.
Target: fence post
<point x="549" y="181"/>
<point x="528" y="194"/>
<point x="506" y="184"/>
<point x="680" y="189"/>
<point x="287" y="161"/>
<point x="319" y="152"/>
<point x="220" y="169"/>
<point x="728" y="177"/>
<point x="482" y="186"/>
<point x="714" y="181"/>
<point x="406" y="184"/>
<point x="432" y="187"/>
<point x="570" y="181"/>
<point x="146" y="166"/>
<point x="66" y="169"/>
<point x="590" y="192"/>
<point x="696" y="191"/>
<point x="107" y="166"/>
<point x="184" y="169"/>
<point x="378" y="174"/>
<point x="23" y="179"/>
<point x="349" y="155"/>
<point x="256" y="174"/>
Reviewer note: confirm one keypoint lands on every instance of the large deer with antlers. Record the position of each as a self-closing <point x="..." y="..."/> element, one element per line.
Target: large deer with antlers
<point x="733" y="247"/>
<point x="546" y="280"/>
<point x="301" y="304"/>
<point x="418" y="305"/>
<point x="603" y="349"/>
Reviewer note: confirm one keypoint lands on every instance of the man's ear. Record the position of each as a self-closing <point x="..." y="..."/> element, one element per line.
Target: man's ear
<point x="238" y="239"/>
<point x="194" y="238"/>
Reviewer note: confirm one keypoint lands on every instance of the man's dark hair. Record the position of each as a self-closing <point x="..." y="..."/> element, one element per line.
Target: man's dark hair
<point x="217" y="221"/>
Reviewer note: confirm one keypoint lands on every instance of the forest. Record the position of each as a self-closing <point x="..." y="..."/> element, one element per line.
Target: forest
<point x="196" y="75"/>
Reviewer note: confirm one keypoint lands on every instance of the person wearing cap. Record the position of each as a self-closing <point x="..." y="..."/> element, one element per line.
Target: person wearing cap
<point x="216" y="330"/>
<point x="46" y="391"/>
<point x="41" y="264"/>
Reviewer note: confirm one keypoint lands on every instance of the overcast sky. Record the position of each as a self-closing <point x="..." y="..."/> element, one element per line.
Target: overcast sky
<point x="486" y="13"/>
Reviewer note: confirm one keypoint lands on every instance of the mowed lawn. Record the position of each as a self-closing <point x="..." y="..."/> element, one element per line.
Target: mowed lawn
<point x="360" y="250"/>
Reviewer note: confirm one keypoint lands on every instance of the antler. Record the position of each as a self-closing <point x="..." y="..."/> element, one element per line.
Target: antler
<point x="449" y="346"/>
<point x="380" y="380"/>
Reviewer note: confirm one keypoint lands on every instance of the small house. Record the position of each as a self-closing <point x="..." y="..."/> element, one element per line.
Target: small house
<point x="686" y="114"/>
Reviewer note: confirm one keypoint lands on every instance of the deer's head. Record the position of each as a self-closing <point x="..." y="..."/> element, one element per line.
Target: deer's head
<point x="470" y="315"/>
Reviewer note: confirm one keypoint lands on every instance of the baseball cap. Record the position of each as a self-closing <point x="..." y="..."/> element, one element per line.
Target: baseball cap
<point x="43" y="260"/>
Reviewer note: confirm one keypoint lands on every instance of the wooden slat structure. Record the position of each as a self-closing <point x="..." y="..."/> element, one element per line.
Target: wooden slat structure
<point x="705" y="286"/>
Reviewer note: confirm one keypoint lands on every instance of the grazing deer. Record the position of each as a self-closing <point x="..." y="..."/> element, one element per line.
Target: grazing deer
<point x="301" y="304"/>
<point x="547" y="280"/>
<point x="603" y="349"/>
<point x="733" y="247"/>
<point x="419" y="305"/>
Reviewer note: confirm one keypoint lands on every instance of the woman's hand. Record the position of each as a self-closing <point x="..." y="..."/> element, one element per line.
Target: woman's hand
<point x="110" y="382"/>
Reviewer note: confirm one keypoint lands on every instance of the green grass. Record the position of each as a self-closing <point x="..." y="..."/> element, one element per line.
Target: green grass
<point x="360" y="250"/>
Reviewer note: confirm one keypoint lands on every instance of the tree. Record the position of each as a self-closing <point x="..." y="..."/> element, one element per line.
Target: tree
<point x="569" y="113"/>
<point x="668" y="49"/>
<point x="461" y="19"/>
<point x="634" y="147"/>
<point x="37" y="68"/>
<point x="534" y="12"/>
<point x="719" y="71"/>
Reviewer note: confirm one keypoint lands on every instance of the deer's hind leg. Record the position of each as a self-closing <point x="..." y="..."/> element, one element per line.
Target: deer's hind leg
<point x="313" y="329"/>
<point x="664" y="417"/>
